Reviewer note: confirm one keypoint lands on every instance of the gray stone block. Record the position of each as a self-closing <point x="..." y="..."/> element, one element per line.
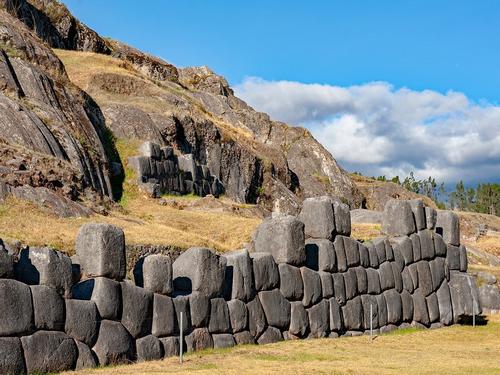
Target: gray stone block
<point x="448" y="226"/>
<point x="223" y="340"/>
<point x="149" y="348"/>
<point x="114" y="344"/>
<point x="364" y="257"/>
<point x="351" y="283"/>
<point x="405" y="247"/>
<point x="464" y="295"/>
<point x="326" y="284"/>
<point x="199" y="270"/>
<point x="256" y="317"/>
<point x="339" y="288"/>
<point x="86" y="357"/>
<point x="154" y="273"/>
<point x="239" y="283"/>
<point x="389" y="254"/>
<point x="238" y="315"/>
<point x="49" y="351"/>
<point x="437" y="267"/>
<point x="417" y="207"/>
<point x="320" y="255"/>
<point x="420" y="312"/>
<point x="382" y="310"/>
<point x="424" y="278"/>
<point x="426" y="244"/>
<point x="373" y="281"/>
<point x="150" y="150"/>
<point x="312" y="287"/>
<point x="463" y="258"/>
<point x="398" y="279"/>
<point x="170" y="346"/>
<point x="45" y="266"/>
<point x="398" y="259"/>
<point x="199" y="339"/>
<point x="407" y="304"/>
<point x="367" y="302"/>
<point x="299" y="320"/>
<point x="351" y="251"/>
<point x="244" y="338"/>
<point x="372" y="253"/>
<point x="199" y="305"/>
<point x="276" y="308"/>
<point x="352" y="313"/>
<point x="340" y="254"/>
<point x="163" y="316"/>
<point x="6" y="265"/>
<point x="283" y="237"/>
<point x="379" y="245"/>
<point x="219" y="316"/>
<point x="48" y="308"/>
<point x="319" y="319"/>
<point x="336" y="323"/>
<point x="291" y="285"/>
<point x="265" y="271"/>
<point x="342" y="218"/>
<point x="16" y="309"/>
<point x="397" y="219"/>
<point x="453" y="257"/>
<point x="439" y="245"/>
<point x="362" y="278"/>
<point x="407" y="280"/>
<point x="82" y="321"/>
<point x="270" y="335"/>
<point x="432" y="307"/>
<point x="101" y="251"/>
<point x="11" y="356"/>
<point x="444" y="304"/>
<point x="430" y="217"/>
<point x="106" y="294"/>
<point x="137" y="309"/>
<point x="318" y="217"/>
<point x="417" y="252"/>
<point x="386" y="276"/>
<point x="489" y="297"/>
<point x="413" y="269"/>
<point x="394" y="306"/>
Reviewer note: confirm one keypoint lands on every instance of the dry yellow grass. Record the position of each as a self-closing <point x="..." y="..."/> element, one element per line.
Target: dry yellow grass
<point x="451" y="350"/>
<point x="365" y="232"/>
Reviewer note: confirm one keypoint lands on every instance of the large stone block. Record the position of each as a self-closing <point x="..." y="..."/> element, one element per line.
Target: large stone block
<point x="351" y="283"/>
<point x="270" y="335"/>
<point x="86" y="357"/>
<point x="352" y="313"/>
<point x="49" y="351"/>
<point x="439" y="245"/>
<point x="137" y="315"/>
<point x="163" y="316"/>
<point x="362" y="278"/>
<point x="373" y="281"/>
<point x="256" y="317"/>
<point x="430" y="218"/>
<point x="319" y="319"/>
<point x="407" y="280"/>
<point x="364" y="257"/>
<point x="16" y="308"/>
<point x="201" y="270"/>
<point x="448" y="226"/>
<point x="265" y="271"/>
<point x="11" y="356"/>
<point x="238" y="315"/>
<point x="394" y="306"/>
<point x="413" y="270"/>
<point x="370" y="305"/>
<point x="382" y="310"/>
<point x="114" y="344"/>
<point x="276" y="308"/>
<point x="438" y="272"/>
<point x="420" y="312"/>
<point x="397" y="219"/>
<point x="464" y="295"/>
<point x="489" y="297"/>
<point x="453" y="257"/>
<point x="424" y="278"/>
<point x="45" y="266"/>
<point x="244" y="338"/>
<point x="106" y="294"/>
<point x="372" y="254"/>
<point x="351" y="251"/>
<point x="405" y="247"/>
<point x="170" y="346"/>
<point x="219" y="316"/>
<point x="199" y="305"/>
<point x="417" y="252"/>
<point x="463" y="258"/>
<point x="6" y="264"/>
<point x="326" y="284"/>
<point x="199" y="339"/>
<point x="318" y="217"/>
<point x="398" y="258"/>
<point x="336" y="323"/>
<point x="342" y="217"/>
<point x="239" y="283"/>
<point x="181" y="305"/>
<point x="340" y="254"/>
<point x="154" y="273"/>
<point x="223" y="340"/>
<point x="312" y="287"/>
<point x="101" y="251"/>
<point x="283" y="237"/>
<point x="149" y="348"/>
<point x="417" y="207"/>
<point x="150" y="150"/>
<point x="426" y="244"/>
<point x="432" y="307"/>
<point x="299" y="320"/>
<point x="48" y="308"/>
<point x="398" y="279"/>
<point x="291" y="284"/>
<point x="339" y="288"/>
<point x="407" y="304"/>
<point x="386" y="276"/>
<point x="320" y="255"/>
<point x="82" y="321"/>
<point x="379" y="245"/>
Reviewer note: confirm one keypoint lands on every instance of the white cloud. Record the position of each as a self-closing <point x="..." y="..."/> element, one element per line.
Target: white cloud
<point x="377" y="129"/>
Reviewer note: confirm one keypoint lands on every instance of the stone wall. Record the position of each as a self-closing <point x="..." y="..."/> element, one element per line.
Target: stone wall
<point x="159" y="171"/>
<point x="302" y="277"/>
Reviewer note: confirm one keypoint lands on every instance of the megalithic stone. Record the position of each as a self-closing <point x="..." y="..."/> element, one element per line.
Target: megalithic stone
<point x="397" y="219"/>
<point x="448" y="226"/>
<point x="317" y="214"/>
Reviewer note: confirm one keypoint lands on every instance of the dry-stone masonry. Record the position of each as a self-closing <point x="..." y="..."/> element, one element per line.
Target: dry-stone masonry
<point x="304" y="277"/>
<point x="159" y="171"/>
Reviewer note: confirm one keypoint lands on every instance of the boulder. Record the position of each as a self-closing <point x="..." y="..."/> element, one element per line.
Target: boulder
<point x="270" y="335"/>
<point x="342" y="218"/>
<point x="405" y="248"/>
<point x="413" y="270"/>
<point x="199" y="339"/>
<point x="49" y="351"/>
<point x="317" y="214"/>
<point x="45" y="266"/>
<point x="239" y="283"/>
<point x="424" y="278"/>
<point x="379" y="245"/>
<point x="373" y="281"/>
<point x="219" y="316"/>
<point x="432" y="307"/>
<point x="407" y="280"/>
<point x="154" y="273"/>
<point x="199" y="305"/>
<point x="398" y="259"/>
<point x="299" y="319"/>
<point x="319" y="319"/>
<point x="389" y="253"/>
<point x="463" y="258"/>
<point x="417" y="207"/>
<point x="149" y="348"/>
<point x="464" y="295"/>
<point x="320" y="255"/>
<point x="265" y="271"/>
<point x="163" y="316"/>
<point x="339" y="288"/>
<point x="82" y="321"/>
<point x="373" y="255"/>
<point x="398" y="278"/>
<point x="439" y="245"/>
<point x="101" y="251"/>
<point x="407" y="305"/>
<point x="351" y="283"/>
<point x="276" y="308"/>
<point x="394" y="306"/>
<point x="386" y="276"/>
<point x="382" y="310"/>
<point x="453" y="257"/>
<point x="364" y="257"/>
<point x="368" y="302"/>
<point x="351" y="251"/>
<point x="256" y="317"/>
<point x="489" y="297"/>
<point x="352" y="313"/>
<point x="448" y="226"/>
<point x="137" y="309"/>
<point x="6" y="264"/>
<point x="11" y="356"/>
<point x="170" y="346"/>
<point x="312" y="287"/>
<point x="426" y="244"/>
<point x="362" y="278"/>
<point x="114" y="344"/>
<point x="417" y="252"/>
<point x="48" y="308"/>
<point x="199" y="270"/>
<point x="244" y="338"/>
<point x="106" y="294"/>
<point x="430" y="218"/>
<point x="86" y="357"/>
<point x="340" y="254"/>
<point x="444" y="304"/>
<point x="437" y="267"/>
<point x="336" y="323"/>
<point x="181" y="305"/>
<point x="223" y="340"/>
<point x="291" y="284"/>
<point x="16" y="309"/>
<point x="326" y="284"/>
<point x="283" y="237"/>
<point x="420" y="312"/>
<point x="397" y="219"/>
<point x="238" y="315"/>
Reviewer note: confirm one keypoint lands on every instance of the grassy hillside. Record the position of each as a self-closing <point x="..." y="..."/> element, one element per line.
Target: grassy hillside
<point x="451" y="350"/>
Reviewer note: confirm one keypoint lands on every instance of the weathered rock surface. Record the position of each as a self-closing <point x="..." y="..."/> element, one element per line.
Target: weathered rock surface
<point x="16" y="308"/>
<point x="48" y="308"/>
<point x="82" y="321"/>
<point x="398" y="218"/>
<point x="114" y="344"/>
<point x="11" y="356"/>
<point x="154" y="273"/>
<point x="265" y="271"/>
<point x="137" y="309"/>
<point x="106" y="294"/>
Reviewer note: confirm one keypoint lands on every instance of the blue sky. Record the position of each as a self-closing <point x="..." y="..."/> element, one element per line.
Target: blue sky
<point x="388" y="72"/>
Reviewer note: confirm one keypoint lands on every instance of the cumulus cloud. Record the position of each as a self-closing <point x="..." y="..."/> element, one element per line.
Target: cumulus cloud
<point x="379" y="130"/>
